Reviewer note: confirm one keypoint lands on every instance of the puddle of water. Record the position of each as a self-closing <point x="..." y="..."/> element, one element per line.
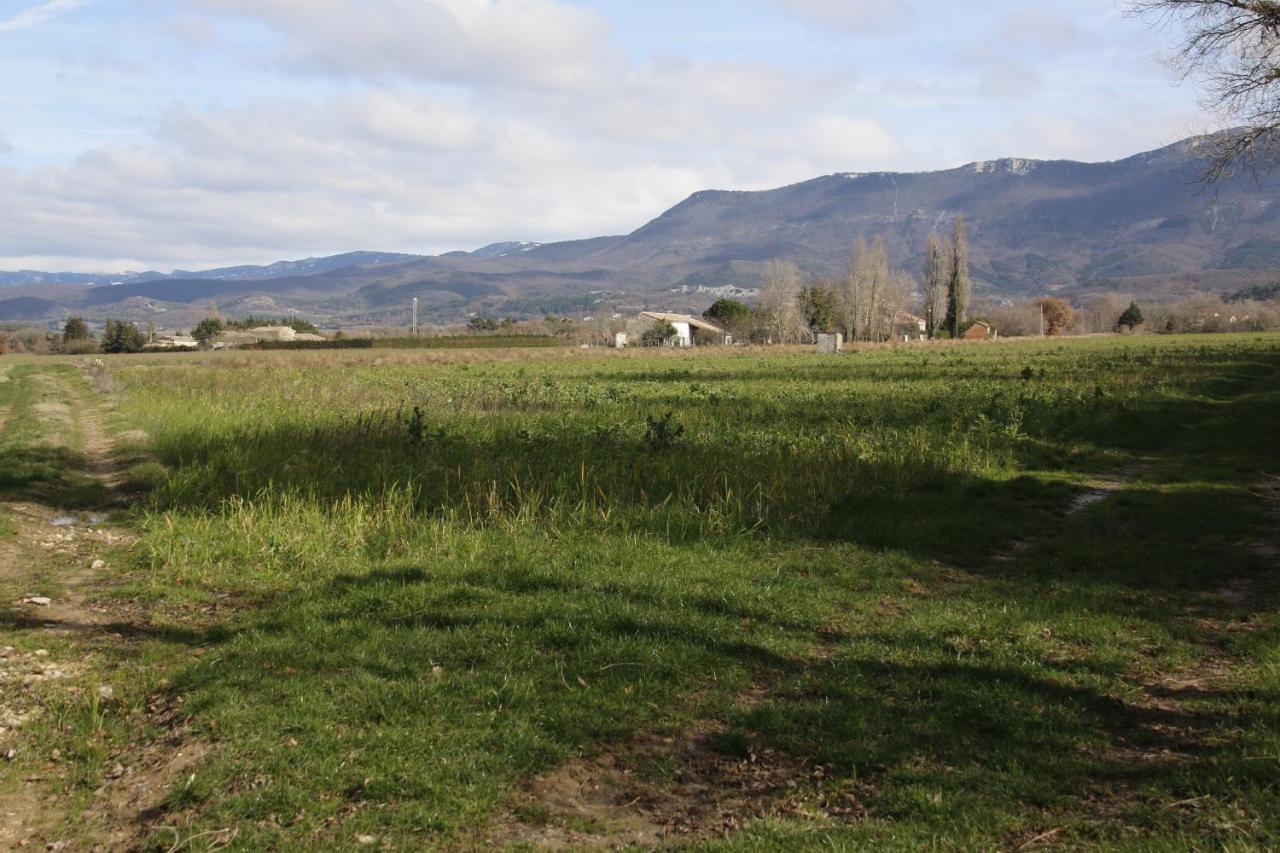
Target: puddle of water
<point x="92" y="519"/>
<point x="1088" y="499"/>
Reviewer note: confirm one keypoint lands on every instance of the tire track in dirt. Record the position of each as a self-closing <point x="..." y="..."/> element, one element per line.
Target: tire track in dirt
<point x="65" y="551"/>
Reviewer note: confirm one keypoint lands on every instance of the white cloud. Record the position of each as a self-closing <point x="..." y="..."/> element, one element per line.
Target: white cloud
<point x="1042" y="29"/>
<point x="392" y="168"/>
<point x="842" y="143"/>
<point x="6" y="147"/>
<point x="541" y="43"/>
<point x="1006" y="78"/>
<point x="425" y="125"/>
<point x="38" y="14"/>
<point x="876" y="16"/>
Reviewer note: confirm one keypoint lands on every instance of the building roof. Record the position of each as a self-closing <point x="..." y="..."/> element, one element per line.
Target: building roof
<point x="694" y="322"/>
<point x="236" y="337"/>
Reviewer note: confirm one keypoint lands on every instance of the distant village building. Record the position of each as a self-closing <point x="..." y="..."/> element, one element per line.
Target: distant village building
<point x="264" y="334"/>
<point x="690" y="330"/>
<point x="233" y="338"/>
<point x="980" y="331"/>
<point x="175" y="342"/>
<point x="910" y="327"/>
<point x="283" y="333"/>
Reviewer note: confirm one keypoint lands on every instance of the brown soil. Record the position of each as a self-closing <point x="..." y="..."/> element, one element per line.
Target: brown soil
<point x="64" y="556"/>
<point x="653" y="789"/>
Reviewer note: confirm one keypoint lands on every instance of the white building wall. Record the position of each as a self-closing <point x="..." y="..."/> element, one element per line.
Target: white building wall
<point x="684" y="333"/>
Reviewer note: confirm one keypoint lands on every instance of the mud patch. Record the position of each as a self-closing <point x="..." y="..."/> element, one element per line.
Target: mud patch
<point x="701" y="784"/>
<point x="128" y="809"/>
<point x="1098" y="491"/>
<point x="1101" y="489"/>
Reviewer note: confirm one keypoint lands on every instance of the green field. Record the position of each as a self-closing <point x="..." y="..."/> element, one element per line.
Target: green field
<point x="1006" y="596"/>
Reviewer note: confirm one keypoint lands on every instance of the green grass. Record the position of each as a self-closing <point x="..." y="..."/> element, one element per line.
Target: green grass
<point x="40" y="446"/>
<point x="498" y="341"/>
<point x="449" y="578"/>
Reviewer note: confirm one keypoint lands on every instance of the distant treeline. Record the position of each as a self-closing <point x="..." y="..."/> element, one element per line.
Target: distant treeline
<point x="1258" y="293"/>
<point x="468" y="342"/>
<point x="441" y="342"/>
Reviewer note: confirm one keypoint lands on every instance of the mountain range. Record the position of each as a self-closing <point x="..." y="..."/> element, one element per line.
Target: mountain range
<point x="1144" y="225"/>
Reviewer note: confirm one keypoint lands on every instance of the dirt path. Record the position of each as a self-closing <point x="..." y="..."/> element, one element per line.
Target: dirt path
<point x="53" y="569"/>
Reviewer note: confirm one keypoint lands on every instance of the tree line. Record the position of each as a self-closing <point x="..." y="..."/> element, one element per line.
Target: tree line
<point x="866" y="303"/>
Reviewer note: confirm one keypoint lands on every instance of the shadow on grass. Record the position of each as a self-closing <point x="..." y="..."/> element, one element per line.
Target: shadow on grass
<point x="501" y="675"/>
<point x="112" y="630"/>
<point x="440" y="687"/>
<point x="54" y="476"/>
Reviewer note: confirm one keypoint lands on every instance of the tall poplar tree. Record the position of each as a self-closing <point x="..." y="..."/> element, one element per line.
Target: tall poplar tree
<point x="935" y="285"/>
<point x="959" y="287"/>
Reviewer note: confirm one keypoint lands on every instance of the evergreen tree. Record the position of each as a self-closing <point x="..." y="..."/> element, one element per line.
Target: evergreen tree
<point x="731" y="315"/>
<point x="936" y="278"/>
<point x="818" y="304"/>
<point x="959" y="287"/>
<point x="659" y="334"/>
<point x="206" y="330"/>
<point x="75" y="329"/>
<point x="1132" y="315"/>
<point x="122" y="337"/>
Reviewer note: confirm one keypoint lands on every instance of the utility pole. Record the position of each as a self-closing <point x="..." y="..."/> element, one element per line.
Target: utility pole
<point x="414" y="327"/>
<point x="1041" y="319"/>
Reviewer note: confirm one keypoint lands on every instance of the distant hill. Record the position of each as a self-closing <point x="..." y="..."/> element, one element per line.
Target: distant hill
<point x="27" y="309"/>
<point x="1143" y="224"/>
<point x="503" y="250"/>
<point x="280" y="269"/>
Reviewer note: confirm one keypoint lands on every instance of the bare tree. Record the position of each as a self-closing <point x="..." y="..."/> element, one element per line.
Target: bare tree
<point x="871" y="295"/>
<point x="874" y="282"/>
<point x="780" y="302"/>
<point x="848" y="289"/>
<point x="898" y="292"/>
<point x="959" y="286"/>
<point x="1234" y="47"/>
<point x="935" y="285"/>
<point x="862" y="291"/>
<point x="1102" y="311"/>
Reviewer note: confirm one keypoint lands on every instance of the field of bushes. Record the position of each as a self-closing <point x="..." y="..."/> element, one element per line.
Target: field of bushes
<point x="938" y="596"/>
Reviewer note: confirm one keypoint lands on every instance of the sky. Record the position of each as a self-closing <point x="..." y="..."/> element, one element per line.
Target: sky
<point x="162" y="134"/>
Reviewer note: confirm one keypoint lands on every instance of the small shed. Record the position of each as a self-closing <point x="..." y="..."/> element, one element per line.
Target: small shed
<point x="690" y="330"/>
<point x="980" y="331"/>
<point x="830" y="344"/>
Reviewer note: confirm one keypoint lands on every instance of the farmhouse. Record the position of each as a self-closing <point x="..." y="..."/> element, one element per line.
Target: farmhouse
<point x="911" y="327"/>
<point x="980" y="331"/>
<point x="690" y="331"/>
<point x="175" y="342"/>
<point x="282" y="333"/>
<point x="262" y="334"/>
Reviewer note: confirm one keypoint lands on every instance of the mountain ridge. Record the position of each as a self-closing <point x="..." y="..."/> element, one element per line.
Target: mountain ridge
<point x="1140" y="224"/>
